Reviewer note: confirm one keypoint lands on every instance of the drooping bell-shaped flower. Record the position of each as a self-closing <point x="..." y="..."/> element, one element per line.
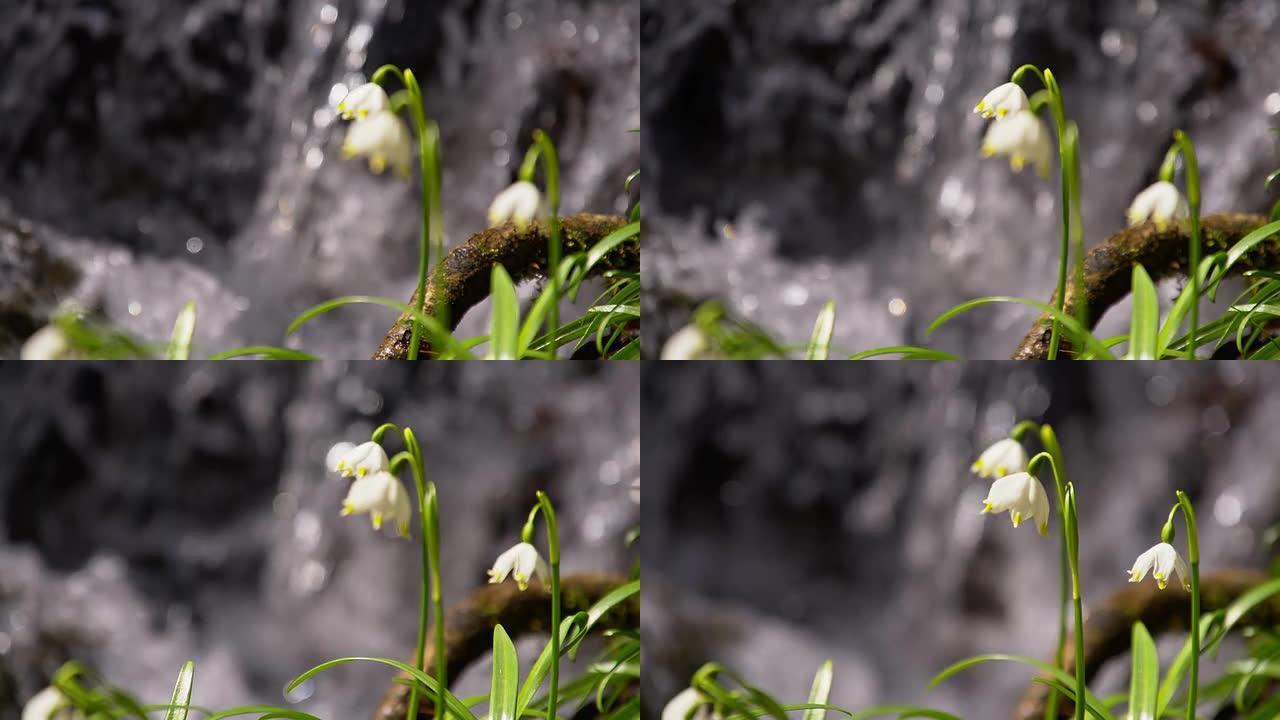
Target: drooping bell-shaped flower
<point x="1023" y="497"/>
<point x="364" y="101"/>
<point x="1162" y="561"/>
<point x="1161" y="203"/>
<point x="1023" y="138"/>
<point x="381" y="495"/>
<point x="688" y="343"/>
<point x="383" y="139"/>
<point x="47" y="343"/>
<point x="1004" y="457"/>
<point x="49" y="704"/>
<point x="350" y="459"/>
<point x="1004" y="100"/>
<point x="688" y="704"/>
<point x="521" y="204"/>
<point x="522" y="562"/>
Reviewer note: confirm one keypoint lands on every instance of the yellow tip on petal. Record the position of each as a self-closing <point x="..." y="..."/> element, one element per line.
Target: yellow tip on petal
<point x="1017" y="161"/>
<point x="1001" y="470"/>
<point x="988" y="151"/>
<point x="986" y="508"/>
<point x="1002" y="112"/>
<point x="377" y="521"/>
<point x="404" y="530"/>
<point x="364" y="112"/>
<point x="347" y="510"/>
<point x="1016" y="517"/>
<point x="1044" y="529"/>
<point x="1160" y="583"/>
<point x="377" y="163"/>
<point x="976" y="466"/>
<point x="348" y="152"/>
<point x="361" y="472"/>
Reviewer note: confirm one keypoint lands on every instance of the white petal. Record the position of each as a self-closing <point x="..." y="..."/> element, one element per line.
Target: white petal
<point x="363" y="101"/>
<point x="44" y="704"/>
<point x="383" y="139"/>
<point x="1007" y="493"/>
<point x="1040" y="506"/>
<point x="1004" y="100"/>
<point x="689" y="343"/>
<point x="47" y="343"/>
<point x="1004" y="457"/>
<point x="369" y="494"/>
<point x="503" y="565"/>
<point x="520" y="203"/>
<point x="680" y="706"/>
<point x="337" y="454"/>
<point x="1142" y="565"/>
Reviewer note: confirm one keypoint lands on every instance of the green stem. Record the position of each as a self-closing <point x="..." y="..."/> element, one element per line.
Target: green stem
<point x="418" y="110"/>
<point x="1193" y="201"/>
<point x="546" y="150"/>
<point x="429" y="515"/>
<point x="1060" y="123"/>
<point x="1193" y="559"/>
<point x="1073" y="554"/>
<point x="1053" y="454"/>
<point x="553" y="556"/>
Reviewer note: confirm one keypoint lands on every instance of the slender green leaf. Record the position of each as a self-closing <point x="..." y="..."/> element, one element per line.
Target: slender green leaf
<point x="1248" y="242"/>
<point x="184" y="328"/>
<point x="1044" y="667"/>
<point x="506" y="676"/>
<point x="1144" y="676"/>
<point x="820" y="342"/>
<point x="907" y="353"/>
<point x="609" y="242"/>
<point x="1144" y="322"/>
<point x="820" y="691"/>
<point x="452" y="703"/>
<point x="440" y="336"/>
<point x="181" y="693"/>
<point x="1077" y="333"/>
<point x="1178" y="668"/>
<point x="504" y="323"/>
<point x="263" y="351"/>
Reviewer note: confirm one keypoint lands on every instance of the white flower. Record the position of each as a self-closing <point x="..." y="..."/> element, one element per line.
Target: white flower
<point x="47" y="343"/>
<point x="689" y="343"/>
<point x="1022" y="495"/>
<point x="1161" y="561"/>
<point x="44" y="704"/>
<point x="1021" y="136"/>
<point x="521" y="562"/>
<point x="384" y="140"/>
<point x="359" y="460"/>
<point x="364" y="101"/>
<point x="1002" y="458"/>
<point x="1161" y="203"/>
<point x="686" y="702"/>
<point x="1004" y="100"/>
<point x="380" y="494"/>
<point x="520" y="203"/>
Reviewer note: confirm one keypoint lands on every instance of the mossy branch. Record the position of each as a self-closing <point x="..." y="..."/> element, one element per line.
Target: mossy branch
<point x="468" y="634"/>
<point x="1108" y="268"/>
<point x="1108" y="631"/>
<point x="464" y="281"/>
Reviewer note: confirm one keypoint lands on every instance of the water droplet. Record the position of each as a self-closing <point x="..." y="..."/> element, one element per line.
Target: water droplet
<point x="897" y="307"/>
<point x="1004" y="27"/>
<point x="1147" y="112"/>
<point x="194" y="245"/>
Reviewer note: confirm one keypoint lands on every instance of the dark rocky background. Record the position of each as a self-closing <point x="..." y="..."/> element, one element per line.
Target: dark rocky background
<point x="155" y="152"/>
<point x="795" y="513"/>
<point x="154" y="513"/>
<point x="804" y="150"/>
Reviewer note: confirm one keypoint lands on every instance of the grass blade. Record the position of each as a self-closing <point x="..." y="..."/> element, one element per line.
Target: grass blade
<point x="506" y="676"/>
<point x="823" y="328"/>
